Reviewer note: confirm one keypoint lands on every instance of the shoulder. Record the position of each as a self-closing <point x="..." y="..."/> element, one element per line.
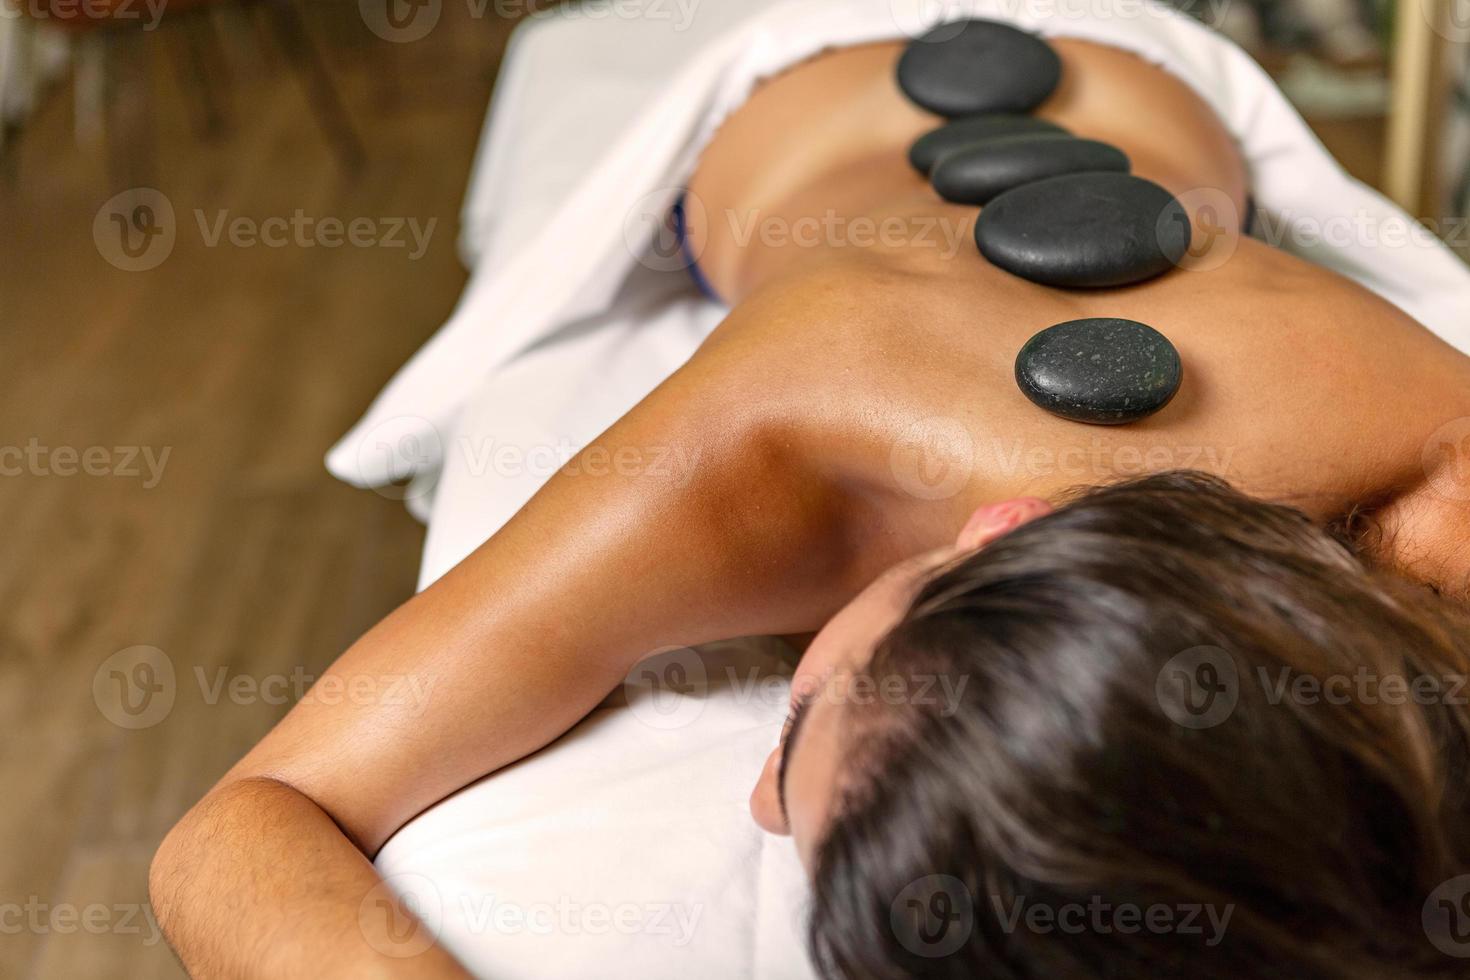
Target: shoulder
<point x="855" y="377"/>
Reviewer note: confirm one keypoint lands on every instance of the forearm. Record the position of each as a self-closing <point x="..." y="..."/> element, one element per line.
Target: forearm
<point x="257" y="881"/>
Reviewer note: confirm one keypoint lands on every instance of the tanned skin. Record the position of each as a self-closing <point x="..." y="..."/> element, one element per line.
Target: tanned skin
<point x="853" y="409"/>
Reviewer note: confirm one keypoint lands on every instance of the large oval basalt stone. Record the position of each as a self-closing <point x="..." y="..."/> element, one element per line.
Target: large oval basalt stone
<point x="966" y="67"/>
<point x="1101" y="370"/>
<point x="1084" y="230"/>
<point x="977" y="173"/>
<point x="927" y="149"/>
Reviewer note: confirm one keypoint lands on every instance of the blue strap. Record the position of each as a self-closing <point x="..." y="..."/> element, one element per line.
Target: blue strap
<point x="681" y="231"/>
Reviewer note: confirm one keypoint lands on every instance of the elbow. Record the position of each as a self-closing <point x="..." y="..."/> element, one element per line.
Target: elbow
<point x="171" y="867"/>
<point x="193" y="846"/>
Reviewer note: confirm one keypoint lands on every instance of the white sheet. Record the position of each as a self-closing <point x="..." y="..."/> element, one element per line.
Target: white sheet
<point x="626" y="849"/>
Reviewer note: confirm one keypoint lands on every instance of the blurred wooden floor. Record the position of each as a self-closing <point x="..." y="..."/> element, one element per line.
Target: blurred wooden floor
<point x="244" y="364"/>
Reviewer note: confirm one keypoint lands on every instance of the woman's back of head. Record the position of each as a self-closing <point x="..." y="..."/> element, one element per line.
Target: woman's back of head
<point x="1195" y="736"/>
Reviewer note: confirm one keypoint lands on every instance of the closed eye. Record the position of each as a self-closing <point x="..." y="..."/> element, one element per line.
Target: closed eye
<point x="799" y="711"/>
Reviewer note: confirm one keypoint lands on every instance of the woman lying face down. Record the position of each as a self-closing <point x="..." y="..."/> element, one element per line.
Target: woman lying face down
<point x="1164" y="730"/>
<point x="1044" y="748"/>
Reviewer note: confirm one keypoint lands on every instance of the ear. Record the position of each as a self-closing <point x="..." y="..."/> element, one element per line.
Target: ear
<point x="765" y="804"/>
<point x="994" y="520"/>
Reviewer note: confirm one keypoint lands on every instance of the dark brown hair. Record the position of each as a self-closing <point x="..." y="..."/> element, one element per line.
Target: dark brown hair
<point x="1138" y="731"/>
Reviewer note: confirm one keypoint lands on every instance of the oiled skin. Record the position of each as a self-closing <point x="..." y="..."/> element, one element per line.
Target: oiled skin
<point x="1299" y="385"/>
<point x="806" y="410"/>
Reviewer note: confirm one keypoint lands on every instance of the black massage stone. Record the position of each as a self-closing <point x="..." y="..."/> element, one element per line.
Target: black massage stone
<point x="980" y="171"/>
<point x="1103" y="370"/>
<point x="973" y="66"/>
<point x="927" y="149"/>
<point x="1084" y="230"/>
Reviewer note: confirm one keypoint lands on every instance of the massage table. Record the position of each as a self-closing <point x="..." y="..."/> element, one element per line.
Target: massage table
<point x="625" y="848"/>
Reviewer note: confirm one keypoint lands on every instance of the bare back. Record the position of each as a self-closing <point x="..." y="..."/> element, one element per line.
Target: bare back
<point x="894" y="358"/>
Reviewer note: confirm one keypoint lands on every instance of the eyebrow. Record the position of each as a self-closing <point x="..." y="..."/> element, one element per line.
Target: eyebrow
<point x="799" y="711"/>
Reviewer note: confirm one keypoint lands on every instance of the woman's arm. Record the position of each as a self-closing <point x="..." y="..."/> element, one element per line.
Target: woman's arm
<point x="269" y="875"/>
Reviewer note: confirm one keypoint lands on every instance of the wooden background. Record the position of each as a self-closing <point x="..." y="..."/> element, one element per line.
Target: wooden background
<point x="246" y="559"/>
<point x="245" y="364"/>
